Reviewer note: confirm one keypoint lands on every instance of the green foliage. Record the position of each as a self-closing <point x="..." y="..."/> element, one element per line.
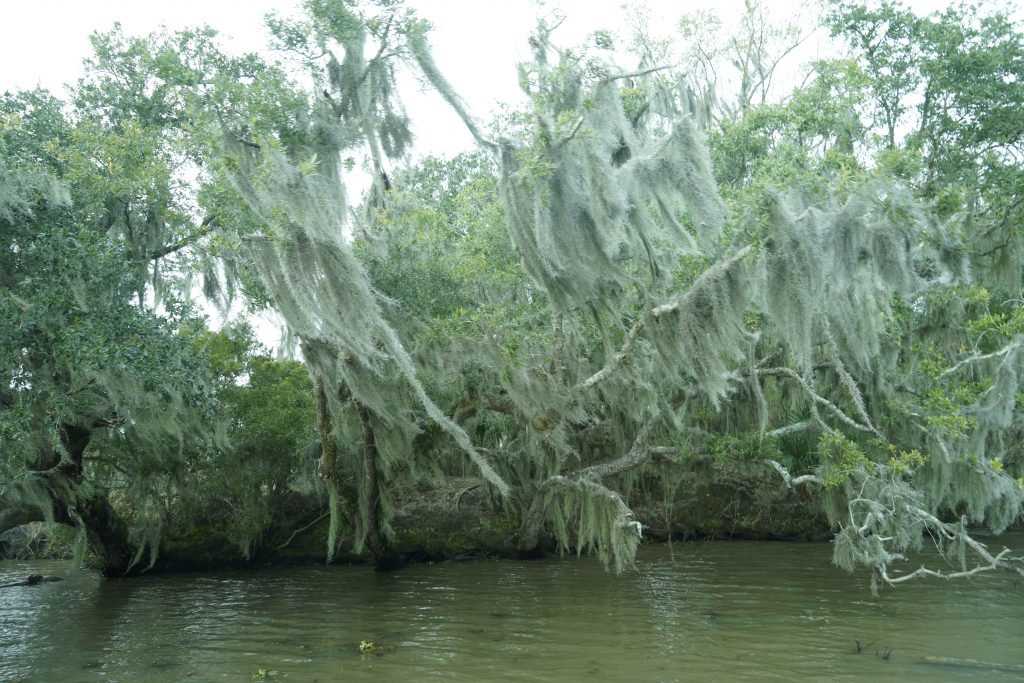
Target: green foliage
<point x="841" y="457"/>
<point x="250" y="485"/>
<point x="953" y="79"/>
<point x="81" y="355"/>
<point x="629" y="274"/>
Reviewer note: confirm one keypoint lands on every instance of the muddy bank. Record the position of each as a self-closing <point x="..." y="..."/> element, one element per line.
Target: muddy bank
<point x="459" y="520"/>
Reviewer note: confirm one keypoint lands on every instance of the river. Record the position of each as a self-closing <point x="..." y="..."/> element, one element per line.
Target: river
<point x="694" y="612"/>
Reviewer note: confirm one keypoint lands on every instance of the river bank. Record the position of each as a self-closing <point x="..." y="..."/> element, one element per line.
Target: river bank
<point x="457" y="520"/>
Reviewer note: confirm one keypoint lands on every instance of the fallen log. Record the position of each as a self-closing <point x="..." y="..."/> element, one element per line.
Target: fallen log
<point x="972" y="664"/>
<point x="32" y="580"/>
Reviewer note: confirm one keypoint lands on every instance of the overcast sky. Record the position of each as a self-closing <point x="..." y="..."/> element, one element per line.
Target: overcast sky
<point x="43" y="42"/>
<point x="476" y="42"/>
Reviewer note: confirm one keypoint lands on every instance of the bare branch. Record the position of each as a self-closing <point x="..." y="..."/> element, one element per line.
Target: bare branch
<point x="792" y="481"/>
<point x="789" y="372"/>
<point x="299" y="531"/>
<point x="791" y="429"/>
<point x="657" y="312"/>
<point x="995" y="562"/>
<point x="635" y="74"/>
<point x="988" y="356"/>
<point x="949" y="532"/>
<point x="207" y="226"/>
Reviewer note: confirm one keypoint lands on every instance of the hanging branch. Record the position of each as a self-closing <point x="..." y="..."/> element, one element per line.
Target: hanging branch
<point x="789" y="372"/>
<point x="947" y="531"/>
<point x="595" y="487"/>
<point x="655" y="313"/>
<point x="421" y="52"/>
<point x="792" y="481"/>
<point x="1009" y="348"/>
<point x="587" y="478"/>
<point x="791" y="429"/>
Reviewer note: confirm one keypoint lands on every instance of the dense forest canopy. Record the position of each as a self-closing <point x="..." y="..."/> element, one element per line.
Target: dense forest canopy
<point x="653" y="265"/>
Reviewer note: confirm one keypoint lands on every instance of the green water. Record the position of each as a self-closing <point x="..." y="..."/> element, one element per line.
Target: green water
<point x="707" y="611"/>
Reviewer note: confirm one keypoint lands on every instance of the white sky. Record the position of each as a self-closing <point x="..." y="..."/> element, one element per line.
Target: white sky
<point x="476" y="42"/>
<point x="476" y="45"/>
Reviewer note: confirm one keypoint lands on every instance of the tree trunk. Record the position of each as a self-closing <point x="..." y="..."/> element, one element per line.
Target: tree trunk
<point x="384" y="555"/>
<point x="107" y="534"/>
<point x="528" y="546"/>
<point x="106" y="531"/>
<point x="341" y="498"/>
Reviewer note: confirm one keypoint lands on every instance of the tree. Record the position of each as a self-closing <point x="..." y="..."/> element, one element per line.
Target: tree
<point x="957" y="347"/>
<point x="614" y="287"/>
<point x="81" y="356"/>
<point x="106" y="390"/>
<point x="953" y="81"/>
<point x="663" y="301"/>
<point x="257" y="488"/>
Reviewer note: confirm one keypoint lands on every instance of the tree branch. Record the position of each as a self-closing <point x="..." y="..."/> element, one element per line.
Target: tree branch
<point x="299" y="531"/>
<point x="656" y="313"/>
<point x="791" y="429"/>
<point x="635" y="74"/>
<point x="792" y="374"/>
<point x="616" y="361"/>
<point x="208" y="225"/>
<point x="625" y="514"/>
<point x="847" y="379"/>
<point x="713" y="271"/>
<point x="994" y="562"/>
<point x="988" y="356"/>
<point x="635" y="456"/>
<point x="792" y="481"/>
<point x="15" y="516"/>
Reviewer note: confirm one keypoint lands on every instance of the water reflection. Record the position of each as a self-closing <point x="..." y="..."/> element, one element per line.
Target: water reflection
<point x="706" y="611"/>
